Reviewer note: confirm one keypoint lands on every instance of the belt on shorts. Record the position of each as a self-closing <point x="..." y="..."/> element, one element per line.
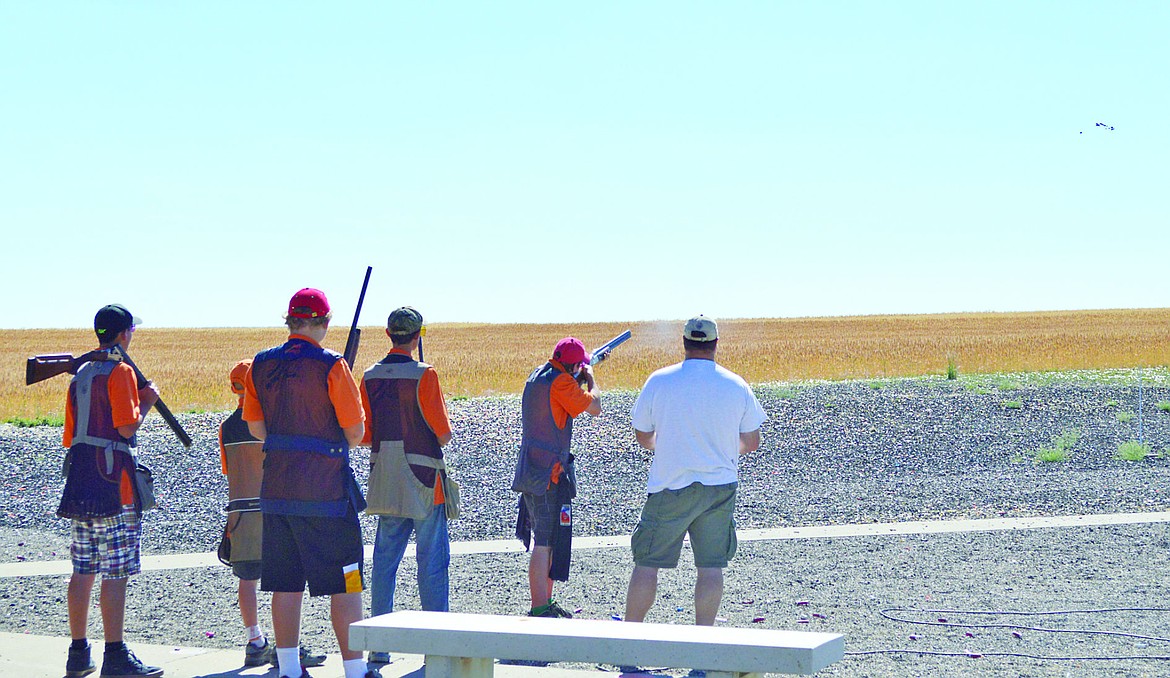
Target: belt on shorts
<point x="243" y="505"/>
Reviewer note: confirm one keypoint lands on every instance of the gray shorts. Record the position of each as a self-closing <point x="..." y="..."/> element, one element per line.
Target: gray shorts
<point x="544" y="513"/>
<point x="705" y="512"/>
<point x="248" y="570"/>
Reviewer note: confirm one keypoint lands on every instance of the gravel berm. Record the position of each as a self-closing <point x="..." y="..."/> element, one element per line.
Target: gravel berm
<point x="833" y="453"/>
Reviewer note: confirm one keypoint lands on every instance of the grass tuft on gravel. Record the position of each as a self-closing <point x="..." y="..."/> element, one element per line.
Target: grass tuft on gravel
<point x="41" y="420"/>
<point x="1125" y="417"/>
<point x="1061" y="447"/>
<point x="1132" y="450"/>
<point x="1163" y="405"/>
<point x="1012" y="404"/>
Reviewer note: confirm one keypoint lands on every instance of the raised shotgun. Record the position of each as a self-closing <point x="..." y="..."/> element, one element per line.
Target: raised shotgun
<point x="355" y="332"/>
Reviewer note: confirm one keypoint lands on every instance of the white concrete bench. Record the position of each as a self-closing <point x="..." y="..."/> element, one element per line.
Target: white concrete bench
<point x="464" y="645"/>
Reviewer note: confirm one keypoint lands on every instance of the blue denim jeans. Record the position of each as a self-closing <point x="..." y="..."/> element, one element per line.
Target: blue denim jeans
<point x="432" y="551"/>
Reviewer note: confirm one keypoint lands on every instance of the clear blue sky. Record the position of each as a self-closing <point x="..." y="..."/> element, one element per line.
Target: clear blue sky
<point x="550" y="161"/>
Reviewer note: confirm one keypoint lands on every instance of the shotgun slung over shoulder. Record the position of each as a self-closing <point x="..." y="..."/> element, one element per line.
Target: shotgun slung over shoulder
<point x="41" y="367"/>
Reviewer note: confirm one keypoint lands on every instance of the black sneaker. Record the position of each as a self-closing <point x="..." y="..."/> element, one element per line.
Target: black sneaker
<point x="559" y="611"/>
<point x="122" y="663"/>
<point x="79" y="663"/>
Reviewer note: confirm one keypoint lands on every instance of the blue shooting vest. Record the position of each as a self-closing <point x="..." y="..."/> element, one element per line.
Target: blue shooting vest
<point x="542" y="444"/>
<point x="99" y="454"/>
<point x="306" y="462"/>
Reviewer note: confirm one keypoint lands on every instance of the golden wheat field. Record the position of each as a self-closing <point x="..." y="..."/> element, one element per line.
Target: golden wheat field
<point x="191" y="365"/>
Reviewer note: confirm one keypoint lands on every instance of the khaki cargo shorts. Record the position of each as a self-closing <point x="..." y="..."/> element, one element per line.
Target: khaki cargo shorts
<point x="705" y="512"/>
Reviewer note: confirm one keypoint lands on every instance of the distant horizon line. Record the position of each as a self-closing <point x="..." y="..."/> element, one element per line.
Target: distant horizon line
<point x="346" y="323"/>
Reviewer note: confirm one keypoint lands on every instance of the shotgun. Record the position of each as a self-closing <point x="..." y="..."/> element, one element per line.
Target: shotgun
<point x="604" y="350"/>
<point x="355" y="332"/>
<point x="42" y="367"/>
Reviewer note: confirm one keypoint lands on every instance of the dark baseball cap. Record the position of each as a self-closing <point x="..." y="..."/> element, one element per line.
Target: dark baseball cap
<point x="112" y="320"/>
<point x="404" y="320"/>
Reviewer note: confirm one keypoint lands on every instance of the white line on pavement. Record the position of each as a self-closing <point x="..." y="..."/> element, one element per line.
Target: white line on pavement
<point x="177" y="561"/>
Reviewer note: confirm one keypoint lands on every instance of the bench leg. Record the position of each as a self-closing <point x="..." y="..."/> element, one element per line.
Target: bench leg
<point x="439" y="666"/>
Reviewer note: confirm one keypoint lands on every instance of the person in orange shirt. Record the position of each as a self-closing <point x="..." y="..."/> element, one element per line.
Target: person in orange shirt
<point x="555" y="393"/>
<point x="301" y="400"/>
<point x="407" y="427"/>
<point x="241" y="459"/>
<point x="103" y="411"/>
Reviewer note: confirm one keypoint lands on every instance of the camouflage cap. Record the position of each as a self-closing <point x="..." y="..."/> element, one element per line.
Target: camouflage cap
<point x="404" y="320"/>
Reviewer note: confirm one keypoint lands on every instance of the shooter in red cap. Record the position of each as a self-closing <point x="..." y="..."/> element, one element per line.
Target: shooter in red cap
<point x="555" y="393"/>
<point x="301" y="400"/>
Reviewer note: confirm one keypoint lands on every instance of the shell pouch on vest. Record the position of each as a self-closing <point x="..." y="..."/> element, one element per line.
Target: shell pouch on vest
<point x="144" y="486"/>
<point x="242" y="533"/>
<point x="393" y="488"/>
<point x="450" y="495"/>
<point x="534" y="469"/>
<point x="143" y="478"/>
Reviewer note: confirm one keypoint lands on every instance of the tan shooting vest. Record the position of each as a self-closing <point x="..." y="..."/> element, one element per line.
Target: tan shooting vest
<point x="244" y="461"/>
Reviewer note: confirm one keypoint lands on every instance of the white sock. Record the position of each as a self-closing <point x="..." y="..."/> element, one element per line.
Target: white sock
<point x="289" y="660"/>
<point x="354" y="668"/>
<point x="255" y="635"/>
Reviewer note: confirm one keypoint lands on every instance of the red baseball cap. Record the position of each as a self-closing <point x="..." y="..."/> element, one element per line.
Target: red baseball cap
<point x="570" y="351"/>
<point x="308" y="303"/>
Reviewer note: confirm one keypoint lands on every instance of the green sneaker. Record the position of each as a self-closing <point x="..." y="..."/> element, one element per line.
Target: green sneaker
<point x="309" y="659"/>
<point x="259" y="655"/>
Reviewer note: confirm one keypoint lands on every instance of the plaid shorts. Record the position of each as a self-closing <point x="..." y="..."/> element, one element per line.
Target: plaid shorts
<point x="107" y="545"/>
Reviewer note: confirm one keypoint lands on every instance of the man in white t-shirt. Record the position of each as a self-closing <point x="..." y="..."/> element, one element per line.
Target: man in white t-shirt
<point x="697" y="418"/>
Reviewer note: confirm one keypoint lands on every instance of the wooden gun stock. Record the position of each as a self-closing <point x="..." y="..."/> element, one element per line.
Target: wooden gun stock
<point x="42" y="367"/>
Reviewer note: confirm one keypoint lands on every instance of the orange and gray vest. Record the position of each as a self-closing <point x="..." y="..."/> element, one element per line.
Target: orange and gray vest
<point x="395" y="414"/>
<point x="542" y="444"/>
<point x="306" y="465"/>
<point x="244" y="461"/>
<point x="99" y="454"/>
<point x="405" y="455"/>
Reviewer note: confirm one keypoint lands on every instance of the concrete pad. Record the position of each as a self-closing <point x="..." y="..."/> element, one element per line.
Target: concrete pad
<point x="30" y="656"/>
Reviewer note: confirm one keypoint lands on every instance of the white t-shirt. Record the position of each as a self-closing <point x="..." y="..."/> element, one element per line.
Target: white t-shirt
<point x="697" y="409"/>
